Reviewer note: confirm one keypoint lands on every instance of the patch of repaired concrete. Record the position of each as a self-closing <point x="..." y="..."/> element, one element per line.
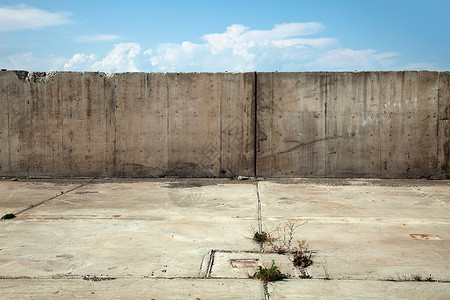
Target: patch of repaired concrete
<point x="239" y="264"/>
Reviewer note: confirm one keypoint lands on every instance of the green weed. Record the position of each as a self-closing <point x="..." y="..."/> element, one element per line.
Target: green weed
<point x="269" y="274"/>
<point x="260" y="237"/>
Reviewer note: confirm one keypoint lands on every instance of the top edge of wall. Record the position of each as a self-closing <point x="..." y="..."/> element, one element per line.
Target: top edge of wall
<point x="112" y="73"/>
<point x="32" y="76"/>
<point x="344" y="72"/>
<point x="222" y="72"/>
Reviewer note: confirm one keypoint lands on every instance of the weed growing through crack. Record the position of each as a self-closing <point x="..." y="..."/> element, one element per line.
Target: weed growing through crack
<point x="8" y="216"/>
<point x="260" y="237"/>
<point x="416" y="277"/>
<point x="412" y="277"/>
<point x="302" y="258"/>
<point x="280" y="241"/>
<point x="325" y="270"/>
<point x="429" y="278"/>
<point x="270" y="274"/>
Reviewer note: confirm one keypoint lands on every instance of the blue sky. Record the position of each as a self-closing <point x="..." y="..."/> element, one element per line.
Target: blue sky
<point x="217" y="36"/>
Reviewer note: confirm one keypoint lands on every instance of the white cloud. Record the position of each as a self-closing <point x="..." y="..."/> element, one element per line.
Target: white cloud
<point x="241" y="49"/>
<point x="236" y="49"/>
<point x="97" y="38"/>
<point x="24" y="17"/>
<point x="123" y="58"/>
<point x="80" y="62"/>
<point x="285" y="47"/>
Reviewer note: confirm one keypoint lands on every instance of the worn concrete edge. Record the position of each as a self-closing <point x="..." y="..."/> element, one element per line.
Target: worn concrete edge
<point x="106" y="277"/>
<point x="394" y="182"/>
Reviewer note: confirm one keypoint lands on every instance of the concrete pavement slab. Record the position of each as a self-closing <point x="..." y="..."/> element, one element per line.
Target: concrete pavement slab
<point x="155" y="199"/>
<point x="354" y="201"/>
<point x="148" y="229"/>
<point x="245" y="264"/>
<point x="132" y="288"/>
<point x="357" y="289"/>
<point x="17" y="196"/>
<point x="364" y="232"/>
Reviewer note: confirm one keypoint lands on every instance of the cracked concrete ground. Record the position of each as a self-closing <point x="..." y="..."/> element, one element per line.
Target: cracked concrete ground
<point x="191" y="238"/>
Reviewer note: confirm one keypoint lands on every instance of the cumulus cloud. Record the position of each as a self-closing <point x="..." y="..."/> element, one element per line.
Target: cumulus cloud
<point x="80" y="62"/>
<point x="124" y="57"/>
<point x="236" y="49"/>
<point x="24" y="17"/>
<point x="285" y="47"/>
<point x="241" y="49"/>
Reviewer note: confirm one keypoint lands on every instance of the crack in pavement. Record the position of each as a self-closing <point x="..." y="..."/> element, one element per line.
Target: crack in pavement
<point x="103" y="276"/>
<point x="45" y="201"/>
<point x="260" y="229"/>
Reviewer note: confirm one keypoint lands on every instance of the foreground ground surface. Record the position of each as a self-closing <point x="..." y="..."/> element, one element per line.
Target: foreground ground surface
<point x="191" y="238"/>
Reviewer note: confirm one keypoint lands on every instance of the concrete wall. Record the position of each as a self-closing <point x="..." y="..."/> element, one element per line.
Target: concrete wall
<point x="131" y="124"/>
<point x="353" y="124"/>
<point x="349" y="124"/>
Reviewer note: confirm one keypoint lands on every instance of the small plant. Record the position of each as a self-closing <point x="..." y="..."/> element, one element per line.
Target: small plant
<point x="269" y="274"/>
<point x="412" y="277"/>
<point x="280" y="239"/>
<point x="325" y="270"/>
<point x="8" y="216"/>
<point x="260" y="237"/>
<point x="416" y="277"/>
<point x="302" y="259"/>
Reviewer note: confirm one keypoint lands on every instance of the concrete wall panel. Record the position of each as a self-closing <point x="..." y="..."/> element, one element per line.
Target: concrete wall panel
<point x="237" y="127"/>
<point x="184" y="124"/>
<point x="5" y="79"/>
<point x="19" y="124"/>
<point x="141" y="124"/>
<point x="194" y="124"/>
<point x="45" y="128"/>
<point x="443" y="124"/>
<point x="290" y="124"/>
<point x="84" y="124"/>
<point x="352" y="133"/>
<point x="56" y="124"/>
<point x="408" y="124"/>
<point x="358" y="124"/>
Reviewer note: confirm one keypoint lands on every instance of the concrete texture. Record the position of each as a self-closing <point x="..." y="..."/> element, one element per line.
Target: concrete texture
<point x="16" y="196"/>
<point x="191" y="238"/>
<point x="305" y="124"/>
<point x="347" y="289"/>
<point x="380" y="219"/>
<point x="353" y="124"/>
<point x="130" y="124"/>
<point x="132" y="289"/>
